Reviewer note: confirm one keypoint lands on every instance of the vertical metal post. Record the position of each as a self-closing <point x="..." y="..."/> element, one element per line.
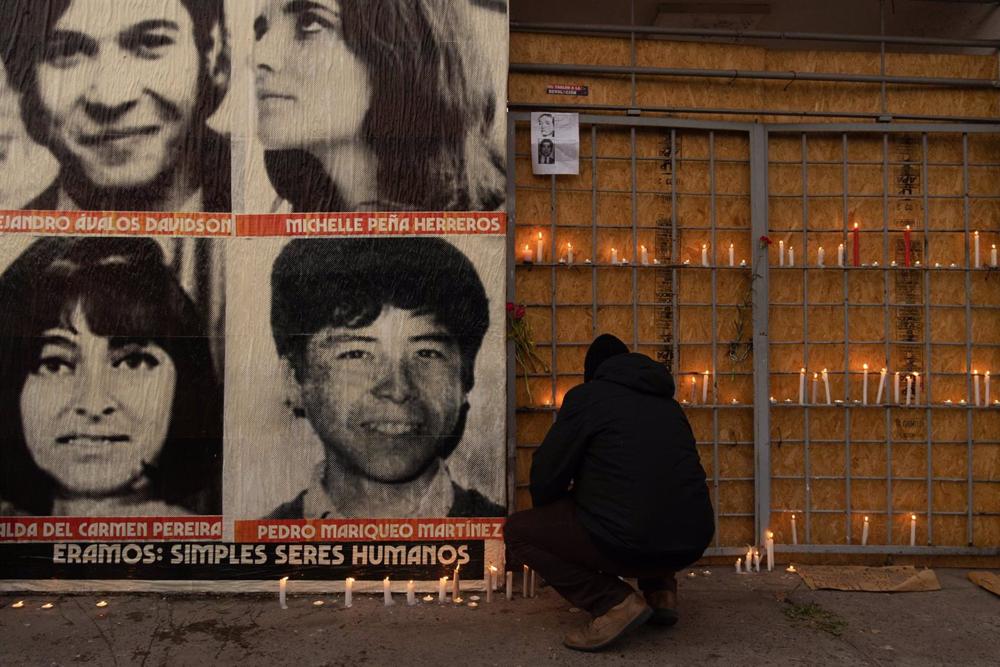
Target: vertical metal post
<point x="969" y="407"/>
<point x="554" y="335"/>
<point x="673" y="257"/>
<point x="887" y="324"/>
<point x="511" y="472"/>
<point x="805" y="340"/>
<point x="593" y="230"/>
<point x="761" y="351"/>
<point x="714" y="273"/>
<point x="635" y="246"/>
<point x="847" y="352"/>
<point x="925" y="269"/>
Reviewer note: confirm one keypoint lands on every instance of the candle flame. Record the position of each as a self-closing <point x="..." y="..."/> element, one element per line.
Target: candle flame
<point x="802" y="370"/>
<point x="704" y="246"/>
<point x="539" y="236"/>
<point x="907" y="228"/>
<point x="855" y="225"/>
<point x="693" y="379"/>
<point x="643" y="248"/>
<point x="18" y="604"/>
<point x="48" y="605"/>
<point x="913" y="517"/>
<point x="350" y="580"/>
<point x="866" y="519"/>
<point x="569" y="245"/>
<point x="283" y="579"/>
<point x="865" y="366"/>
<point x="770" y="535"/>
<point x="102" y="603"/>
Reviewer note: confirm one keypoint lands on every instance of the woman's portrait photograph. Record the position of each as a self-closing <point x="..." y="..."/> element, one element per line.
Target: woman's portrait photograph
<point x="390" y="105"/>
<point x="111" y="359"/>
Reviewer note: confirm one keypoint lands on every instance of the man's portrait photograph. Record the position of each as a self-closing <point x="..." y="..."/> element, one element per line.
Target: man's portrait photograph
<point x="371" y="378"/>
<point x="125" y="97"/>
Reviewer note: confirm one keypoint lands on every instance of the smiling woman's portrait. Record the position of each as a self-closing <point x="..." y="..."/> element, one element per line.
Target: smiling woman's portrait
<point x="384" y="105"/>
<point x="108" y="386"/>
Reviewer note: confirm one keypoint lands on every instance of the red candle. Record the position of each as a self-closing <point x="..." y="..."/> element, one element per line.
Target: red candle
<point x="906" y="245"/>
<point x="857" y="245"/>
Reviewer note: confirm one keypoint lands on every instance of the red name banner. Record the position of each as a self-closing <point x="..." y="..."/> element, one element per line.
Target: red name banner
<point x="110" y="529"/>
<point x="116" y="223"/>
<point x="368" y="530"/>
<point x="432" y="223"/>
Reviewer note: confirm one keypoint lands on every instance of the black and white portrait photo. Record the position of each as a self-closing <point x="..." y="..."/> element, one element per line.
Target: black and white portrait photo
<point x="120" y="94"/>
<point x="546" y="152"/>
<point x="554" y="156"/>
<point x="374" y="387"/>
<point x="110" y="360"/>
<point x="390" y="105"/>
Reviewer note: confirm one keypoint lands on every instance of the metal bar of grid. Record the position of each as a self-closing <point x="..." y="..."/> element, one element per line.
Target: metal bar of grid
<point x="715" y="313"/>
<point x="511" y="295"/>
<point x="675" y="312"/>
<point x="593" y="229"/>
<point x="553" y="212"/>
<point x="635" y="237"/>
<point x="887" y="324"/>
<point x="928" y="385"/>
<point x="806" y="435"/>
<point x="760" y="320"/>
<point x="966" y="215"/>
<point x="847" y="349"/>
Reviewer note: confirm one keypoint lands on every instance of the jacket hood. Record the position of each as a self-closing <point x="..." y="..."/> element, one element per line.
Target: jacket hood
<point x="639" y="372"/>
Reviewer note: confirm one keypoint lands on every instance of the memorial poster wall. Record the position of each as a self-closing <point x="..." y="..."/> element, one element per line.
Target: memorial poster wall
<point x="252" y="266"/>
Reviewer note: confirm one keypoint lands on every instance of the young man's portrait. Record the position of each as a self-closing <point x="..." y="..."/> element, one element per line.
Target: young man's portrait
<point x="388" y="356"/>
<point x="121" y="93"/>
<point x="546" y="152"/>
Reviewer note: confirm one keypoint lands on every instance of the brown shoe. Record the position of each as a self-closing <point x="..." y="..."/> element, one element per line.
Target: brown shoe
<point x="603" y="630"/>
<point x="664" y="604"/>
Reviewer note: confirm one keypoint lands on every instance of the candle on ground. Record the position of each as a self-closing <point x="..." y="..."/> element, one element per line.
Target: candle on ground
<point x="975" y="386"/>
<point x="704" y="254"/>
<point x="864" y="533"/>
<point x="781" y="253"/>
<point x="704" y="388"/>
<point x="492" y="584"/>
<point x="820" y="256"/>
<point x="442" y="590"/>
<point x="348" y="591"/>
<point x="539" y="253"/>
<point x="993" y="255"/>
<point x="881" y="386"/>
<point x="739" y="566"/>
<point x="411" y="593"/>
<point x="527" y="257"/>
<point x="795" y="531"/>
<point x="909" y="389"/>
<point x="456" y="586"/>
<point x="509" y="585"/>
<point x="732" y="255"/>
<point x="802" y="386"/>
<point x="895" y="383"/>
<point x="791" y="256"/>
<point x="864" y="385"/>
<point x="916" y="388"/>
<point x="906" y="247"/>
<point x="569" y="253"/>
<point x="524" y="582"/>
<point x="756" y="560"/>
<point x="643" y="255"/>
<point x="826" y="386"/>
<point x="694" y="388"/>
<point x="913" y="530"/>
<point x="614" y="256"/>
<point x="769" y="547"/>
<point x="815" y="390"/>
<point x="748" y="559"/>
<point x="386" y="592"/>
<point x="840" y="255"/>
<point x="532" y="584"/>
<point x="975" y="250"/>
<point x="857" y="245"/>
<point x="282" y="589"/>
<point x="986" y="385"/>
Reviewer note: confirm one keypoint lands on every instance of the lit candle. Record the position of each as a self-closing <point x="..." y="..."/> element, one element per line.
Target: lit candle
<point x="18" y="605"/>
<point x="527" y="254"/>
<point x="532" y="584"/>
<point x="348" y="591"/>
<point x="975" y="243"/>
<point x="704" y="388"/>
<point x="986" y="384"/>
<point x="913" y="530"/>
<point x="975" y="385"/>
<point x="857" y="245"/>
<point x="442" y="590"/>
<point x="492" y="585"/>
<point x="748" y="559"/>
<point x="909" y="389"/>
<point x="524" y="582"/>
<point x="538" y="249"/>
<point x="916" y="388"/>
<point x="644" y="255"/>
<point x="826" y="386"/>
<point x="386" y="592"/>
<point x="282" y="590"/>
<point x="411" y="593"/>
<point x="732" y="255"/>
<point x="864" y="533"/>
<point x="769" y="546"/>
<point x="815" y="390"/>
<point x="895" y="382"/>
<point x="802" y="386"/>
<point x="102" y="604"/>
<point x="864" y="384"/>
<point x="993" y="255"/>
<point x="791" y="256"/>
<point x="881" y="386"/>
<point x="569" y="253"/>
<point x="739" y="566"/>
<point x="455" y="586"/>
<point x="509" y="585"/>
<point x="694" y="388"/>
<point x="704" y="254"/>
<point x="820" y="256"/>
<point x="791" y="569"/>
<point x="756" y="560"/>
<point x="614" y="256"/>
<point x="781" y="253"/>
<point x="906" y="246"/>
<point x="795" y="531"/>
<point x="840" y="255"/>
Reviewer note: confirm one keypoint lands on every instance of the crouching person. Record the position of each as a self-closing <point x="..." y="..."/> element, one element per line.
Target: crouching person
<point x="618" y="491"/>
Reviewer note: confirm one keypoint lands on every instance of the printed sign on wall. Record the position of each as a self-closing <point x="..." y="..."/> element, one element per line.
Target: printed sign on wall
<point x="555" y="143"/>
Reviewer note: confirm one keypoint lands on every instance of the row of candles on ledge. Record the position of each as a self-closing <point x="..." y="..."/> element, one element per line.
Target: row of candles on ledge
<point x="528" y="589"/>
<point x="908" y="394"/>
<point x="864" y="532"/>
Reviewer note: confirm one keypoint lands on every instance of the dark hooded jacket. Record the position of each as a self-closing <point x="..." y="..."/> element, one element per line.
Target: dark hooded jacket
<point x="622" y="447"/>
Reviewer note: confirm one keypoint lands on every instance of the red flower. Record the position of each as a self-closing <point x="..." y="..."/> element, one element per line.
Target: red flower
<point x="519" y="312"/>
<point x="765" y="241"/>
<point x="510" y="306"/>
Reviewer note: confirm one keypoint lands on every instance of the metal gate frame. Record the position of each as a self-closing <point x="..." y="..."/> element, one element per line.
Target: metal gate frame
<point x="759" y="136"/>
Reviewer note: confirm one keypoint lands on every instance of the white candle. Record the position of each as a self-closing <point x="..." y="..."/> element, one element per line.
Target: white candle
<point x="769" y="546"/>
<point x="913" y="530"/>
<point x="795" y="531"/>
<point x="527" y="257"/>
<point x="739" y="566"/>
<point x="748" y="559"/>
<point x="975" y="386"/>
<point x="975" y="243"/>
<point x="704" y="388"/>
<point x="909" y="389"/>
<point x="614" y="256"/>
<point x="864" y="533"/>
<point x="802" y="386"/>
<point x="694" y="388"/>
<point x="881" y="386"/>
<point x="411" y="593"/>
<point x="732" y="255"/>
<point x="864" y="384"/>
<point x="569" y="253"/>
<point x="538" y="249"/>
<point x="644" y="255"/>
<point x="386" y="592"/>
<point x="986" y="384"/>
<point x="455" y="586"/>
<point x="993" y="255"/>
<point x="524" y="582"/>
<point x="791" y="256"/>
<point x="509" y="585"/>
<point x="532" y="584"/>
<point x="916" y="388"/>
<point x="781" y="253"/>
<point x="820" y="256"/>
<point x="826" y="385"/>
<point x="492" y="585"/>
<point x="348" y="591"/>
<point x="815" y="390"/>
<point x="895" y="382"/>
<point x="442" y="590"/>
<point x="840" y="255"/>
<point x="282" y="589"/>
<point x="756" y="560"/>
<point x="704" y="254"/>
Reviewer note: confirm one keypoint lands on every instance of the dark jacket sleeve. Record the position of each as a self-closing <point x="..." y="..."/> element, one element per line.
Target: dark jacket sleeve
<point x="557" y="460"/>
